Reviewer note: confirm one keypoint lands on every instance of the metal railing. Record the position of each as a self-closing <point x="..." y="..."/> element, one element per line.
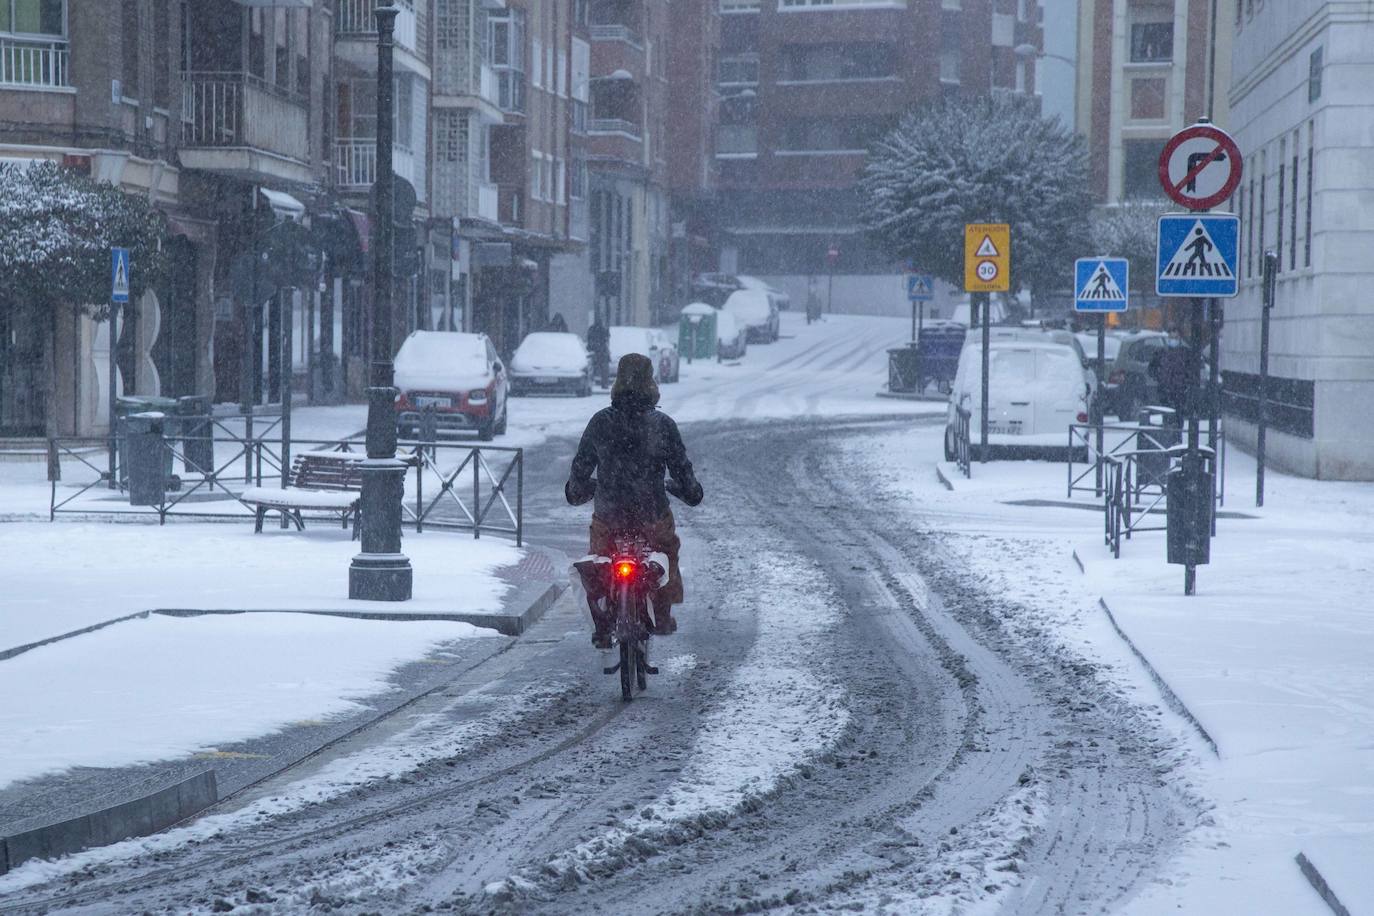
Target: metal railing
<point x="44" y="64"/>
<point x="510" y="90"/>
<point x="1133" y="492"/>
<point x="211" y="108"/>
<point x="963" y="445"/>
<point x="470" y="487"/>
<point x="355" y="163"/>
<point x="357" y="19"/>
<point x="1120" y="438"/>
<point x="615" y="32"/>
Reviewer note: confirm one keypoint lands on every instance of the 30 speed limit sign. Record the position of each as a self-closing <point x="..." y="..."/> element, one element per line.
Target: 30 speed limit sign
<point x="987" y="257"/>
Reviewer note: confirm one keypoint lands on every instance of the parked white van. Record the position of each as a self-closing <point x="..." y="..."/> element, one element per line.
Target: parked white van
<point x="1036" y="389"/>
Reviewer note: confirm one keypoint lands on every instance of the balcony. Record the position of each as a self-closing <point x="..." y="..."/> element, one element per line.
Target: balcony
<point x="237" y="124"/>
<point x="616" y="127"/>
<point x="355" y="164"/>
<point x="356" y="21"/>
<point x="510" y="91"/>
<point x="616" y="32"/>
<point x="34" y="64"/>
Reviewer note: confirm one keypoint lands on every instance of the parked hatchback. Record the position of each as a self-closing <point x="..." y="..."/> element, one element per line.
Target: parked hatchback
<point x="650" y="342"/>
<point x="457" y="376"/>
<point x="1129" y="385"/>
<point x="551" y="362"/>
<point x="1036" y="389"/>
<point x="757" y="312"/>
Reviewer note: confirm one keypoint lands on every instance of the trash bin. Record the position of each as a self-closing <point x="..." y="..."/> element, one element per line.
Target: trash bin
<point x="149" y="458"/>
<point x="1189" y="520"/>
<point x="697" y="332"/>
<point x="197" y="434"/>
<point x="128" y="405"/>
<point x="904" y="370"/>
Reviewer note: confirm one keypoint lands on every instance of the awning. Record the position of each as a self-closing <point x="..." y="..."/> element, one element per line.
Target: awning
<point x="284" y="204"/>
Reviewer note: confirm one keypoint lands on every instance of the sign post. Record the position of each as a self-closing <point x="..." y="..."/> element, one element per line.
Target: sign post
<point x="1271" y="273"/>
<point x="987" y="269"/>
<point x="920" y="289"/>
<point x="1101" y="285"/>
<point x="1197" y="258"/>
<point x="119" y="294"/>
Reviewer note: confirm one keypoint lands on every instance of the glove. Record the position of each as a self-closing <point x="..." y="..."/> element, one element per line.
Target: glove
<point x="578" y="493"/>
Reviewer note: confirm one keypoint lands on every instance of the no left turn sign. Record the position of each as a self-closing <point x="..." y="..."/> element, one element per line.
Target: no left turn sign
<point x="1200" y="167"/>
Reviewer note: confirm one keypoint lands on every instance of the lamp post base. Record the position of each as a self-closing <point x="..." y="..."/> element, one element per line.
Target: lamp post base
<point x="380" y="577"/>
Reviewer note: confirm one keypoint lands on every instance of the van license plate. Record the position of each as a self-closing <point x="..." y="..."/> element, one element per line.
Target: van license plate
<point x="994" y="429"/>
<point x="434" y="402"/>
<point x="546" y="380"/>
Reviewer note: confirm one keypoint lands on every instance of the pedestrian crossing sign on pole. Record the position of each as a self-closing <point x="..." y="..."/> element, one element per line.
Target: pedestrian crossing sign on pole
<point x="1101" y="284"/>
<point x="1198" y="254"/>
<point x="119" y="275"/>
<point x="920" y="287"/>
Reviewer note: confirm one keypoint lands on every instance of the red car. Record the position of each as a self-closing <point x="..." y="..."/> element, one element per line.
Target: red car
<point x="457" y="376"/>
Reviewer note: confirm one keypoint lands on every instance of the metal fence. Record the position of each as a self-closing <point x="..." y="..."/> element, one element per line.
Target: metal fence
<point x="34" y="63"/>
<point x="1151" y="442"/>
<point x="449" y="485"/>
<point x="1135" y="488"/>
<point x="963" y="447"/>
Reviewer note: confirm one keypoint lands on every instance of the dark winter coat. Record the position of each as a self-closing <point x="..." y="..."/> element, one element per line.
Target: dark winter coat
<point x="1176" y="370"/>
<point x="629" y="446"/>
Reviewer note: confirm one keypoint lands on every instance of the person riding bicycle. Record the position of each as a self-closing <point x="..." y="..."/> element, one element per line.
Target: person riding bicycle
<point x="628" y="446"/>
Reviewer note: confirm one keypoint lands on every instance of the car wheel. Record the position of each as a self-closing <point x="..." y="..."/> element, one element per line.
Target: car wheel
<point x="486" y="430"/>
<point x="501" y="425"/>
<point x="949" y="444"/>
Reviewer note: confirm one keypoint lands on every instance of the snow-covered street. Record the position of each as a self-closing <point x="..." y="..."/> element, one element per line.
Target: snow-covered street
<point x="885" y="695"/>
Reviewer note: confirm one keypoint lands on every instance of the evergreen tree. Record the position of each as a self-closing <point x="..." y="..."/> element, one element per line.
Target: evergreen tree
<point x="982" y="160"/>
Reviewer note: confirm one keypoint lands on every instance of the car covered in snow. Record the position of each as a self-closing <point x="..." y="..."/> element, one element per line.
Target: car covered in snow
<point x="757" y="311"/>
<point x="650" y="342"/>
<point x="1036" y="389"/>
<point x="731" y="339"/>
<point x="459" y="377"/>
<point x="551" y="361"/>
<point x="780" y="298"/>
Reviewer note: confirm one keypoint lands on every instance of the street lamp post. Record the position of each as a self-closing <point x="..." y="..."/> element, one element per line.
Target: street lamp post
<point x="380" y="572"/>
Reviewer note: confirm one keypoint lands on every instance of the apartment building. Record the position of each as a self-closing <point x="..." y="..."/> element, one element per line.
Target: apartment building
<point x="1146" y="69"/>
<point x="693" y="111"/>
<point x="213" y="110"/>
<point x="806" y="86"/>
<point x="1302" y="114"/>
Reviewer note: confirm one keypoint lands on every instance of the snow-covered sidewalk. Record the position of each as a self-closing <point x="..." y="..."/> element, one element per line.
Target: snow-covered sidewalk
<point x="1273" y="657"/>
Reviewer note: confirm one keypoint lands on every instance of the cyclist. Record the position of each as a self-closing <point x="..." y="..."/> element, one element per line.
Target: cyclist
<point x="628" y="446"/>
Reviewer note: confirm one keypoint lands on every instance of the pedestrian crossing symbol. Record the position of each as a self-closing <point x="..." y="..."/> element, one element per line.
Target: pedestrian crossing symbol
<point x="1101" y="284"/>
<point x="1197" y="255"/>
<point x="119" y="275"/>
<point x="986" y="249"/>
<point x="920" y="287"/>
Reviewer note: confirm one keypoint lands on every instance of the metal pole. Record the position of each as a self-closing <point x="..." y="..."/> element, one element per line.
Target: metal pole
<point x="1214" y="314"/>
<point x="246" y="327"/>
<point x="114" y="380"/>
<point x="285" y="370"/>
<point x="1097" y="417"/>
<point x="380" y="572"/>
<point x="1271" y="270"/>
<point x="1212" y="64"/>
<point x="985" y="301"/>
<point x="1194" y="427"/>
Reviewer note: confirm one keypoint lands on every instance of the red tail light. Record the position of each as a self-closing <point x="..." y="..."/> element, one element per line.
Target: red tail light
<point x="1082" y="417"/>
<point x="624" y="569"/>
<point x="1117" y="377"/>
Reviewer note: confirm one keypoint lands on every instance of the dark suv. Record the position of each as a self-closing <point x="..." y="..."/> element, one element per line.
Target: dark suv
<point x="1129" y="384"/>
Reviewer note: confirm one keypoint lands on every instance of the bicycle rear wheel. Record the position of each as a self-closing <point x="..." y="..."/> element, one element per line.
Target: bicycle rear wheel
<point x="629" y="645"/>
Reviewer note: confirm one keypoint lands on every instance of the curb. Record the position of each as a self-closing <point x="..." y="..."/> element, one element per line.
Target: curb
<point x="534" y="600"/>
<point x="943" y="479"/>
<point x="20" y="650"/>
<point x="927" y="398"/>
<point x="140" y="816"/>
<point x="1319" y="884"/>
<point x="1170" y="698"/>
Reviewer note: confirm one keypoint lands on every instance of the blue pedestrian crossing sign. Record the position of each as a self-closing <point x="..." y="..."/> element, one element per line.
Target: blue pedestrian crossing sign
<point x="920" y="287"/>
<point x="1198" y="255"/>
<point x="119" y="275"/>
<point x="1101" y="284"/>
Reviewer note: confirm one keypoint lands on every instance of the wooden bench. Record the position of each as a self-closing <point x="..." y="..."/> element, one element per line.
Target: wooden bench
<point x="324" y="481"/>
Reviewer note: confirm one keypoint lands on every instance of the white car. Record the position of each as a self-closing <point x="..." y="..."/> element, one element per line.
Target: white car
<point x="650" y="342"/>
<point x="1036" y="389"/>
<point x="551" y="361"/>
<point x="757" y="311"/>
<point x="780" y="298"/>
<point x="457" y="376"/>
<point x="731" y="340"/>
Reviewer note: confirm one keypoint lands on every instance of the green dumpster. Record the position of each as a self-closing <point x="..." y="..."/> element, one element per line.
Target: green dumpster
<point x="697" y="332"/>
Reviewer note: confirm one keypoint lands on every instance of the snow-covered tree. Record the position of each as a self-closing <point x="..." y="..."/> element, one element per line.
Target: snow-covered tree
<point x="1129" y="230"/>
<point x="56" y="231"/>
<point x="981" y="160"/>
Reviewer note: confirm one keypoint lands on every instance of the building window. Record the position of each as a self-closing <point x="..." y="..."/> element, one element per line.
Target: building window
<point x="739" y="71"/>
<point x="1152" y="42"/>
<point x="34" y="17"/>
<point x="129" y="72"/>
<point x="828" y="62"/>
<point x="1140" y="168"/>
<point x="1307" y="232"/>
<point x="1293" y="217"/>
<point x="949" y="65"/>
<point x="1278" y="248"/>
<point x="1250" y="234"/>
<point x="1244" y="253"/>
<point x="1263" y="202"/>
<point x="1314" y="75"/>
<point x="577" y="178"/>
<point x="832" y="134"/>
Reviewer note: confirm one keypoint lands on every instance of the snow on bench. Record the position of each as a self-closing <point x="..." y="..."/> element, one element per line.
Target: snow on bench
<point x="320" y="481"/>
